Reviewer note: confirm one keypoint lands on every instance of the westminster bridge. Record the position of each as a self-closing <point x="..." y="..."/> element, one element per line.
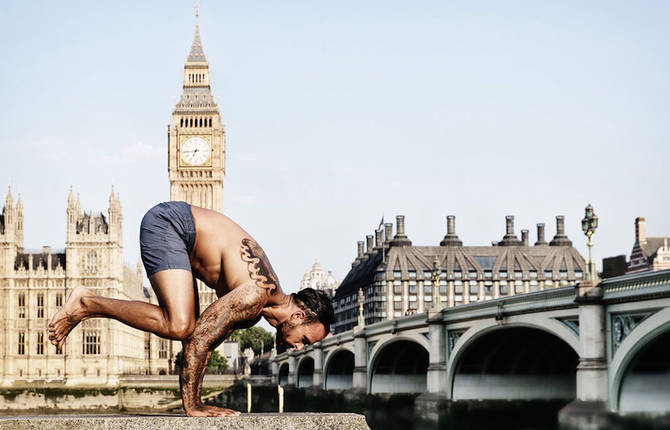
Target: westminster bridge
<point x="599" y="343"/>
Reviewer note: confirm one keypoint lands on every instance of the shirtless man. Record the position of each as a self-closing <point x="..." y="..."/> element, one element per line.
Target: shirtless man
<point x="181" y="243"/>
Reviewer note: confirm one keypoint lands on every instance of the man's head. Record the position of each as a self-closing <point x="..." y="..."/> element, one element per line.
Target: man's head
<point x="310" y="322"/>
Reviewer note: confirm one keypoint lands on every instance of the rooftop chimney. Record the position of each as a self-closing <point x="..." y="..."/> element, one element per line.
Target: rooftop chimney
<point x="400" y="238"/>
<point x="451" y="239"/>
<point x="640" y="230"/>
<point x="540" y="235"/>
<point x="388" y="232"/>
<point x="560" y="239"/>
<point x="370" y="244"/>
<point x="360" y="244"/>
<point x="524" y="237"/>
<point x="510" y="238"/>
<point x="379" y="241"/>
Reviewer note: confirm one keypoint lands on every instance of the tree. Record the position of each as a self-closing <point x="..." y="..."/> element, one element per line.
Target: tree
<point x="256" y="338"/>
<point x="217" y="362"/>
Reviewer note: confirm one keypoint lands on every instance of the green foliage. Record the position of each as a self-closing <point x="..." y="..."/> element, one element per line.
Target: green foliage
<point x="253" y="338"/>
<point x="217" y="362"/>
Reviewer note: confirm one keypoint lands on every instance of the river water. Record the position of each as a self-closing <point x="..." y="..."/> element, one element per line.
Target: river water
<point x="396" y="412"/>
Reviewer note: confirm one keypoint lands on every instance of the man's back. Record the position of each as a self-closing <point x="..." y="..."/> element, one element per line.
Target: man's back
<point x="225" y="256"/>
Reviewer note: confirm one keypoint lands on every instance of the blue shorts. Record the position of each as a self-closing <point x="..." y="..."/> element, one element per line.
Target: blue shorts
<point x="167" y="235"/>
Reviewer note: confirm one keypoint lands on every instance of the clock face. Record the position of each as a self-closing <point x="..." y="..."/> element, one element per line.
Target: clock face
<point x="195" y="151"/>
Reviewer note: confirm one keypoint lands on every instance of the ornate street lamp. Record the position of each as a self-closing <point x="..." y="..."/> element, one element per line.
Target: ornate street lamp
<point x="361" y="300"/>
<point x="435" y="277"/>
<point x="589" y="226"/>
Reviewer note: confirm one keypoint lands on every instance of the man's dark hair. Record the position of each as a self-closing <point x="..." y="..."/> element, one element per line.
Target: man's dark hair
<point x="317" y="305"/>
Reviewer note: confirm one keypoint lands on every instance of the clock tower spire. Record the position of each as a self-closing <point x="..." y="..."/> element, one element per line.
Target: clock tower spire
<point x="196" y="136"/>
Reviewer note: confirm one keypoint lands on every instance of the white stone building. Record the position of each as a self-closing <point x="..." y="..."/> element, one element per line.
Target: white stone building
<point x="34" y="285"/>
<point x="319" y="280"/>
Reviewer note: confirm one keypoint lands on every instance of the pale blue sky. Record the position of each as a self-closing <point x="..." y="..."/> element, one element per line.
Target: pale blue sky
<point x="338" y="112"/>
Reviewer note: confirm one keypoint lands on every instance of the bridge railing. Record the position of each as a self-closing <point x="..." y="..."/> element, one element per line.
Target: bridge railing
<point x="637" y="284"/>
<point x="396" y="324"/>
<point x="518" y="303"/>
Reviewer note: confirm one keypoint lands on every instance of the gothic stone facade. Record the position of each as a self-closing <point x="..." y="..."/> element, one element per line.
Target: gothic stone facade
<point x="396" y="277"/>
<point x="34" y="285"/>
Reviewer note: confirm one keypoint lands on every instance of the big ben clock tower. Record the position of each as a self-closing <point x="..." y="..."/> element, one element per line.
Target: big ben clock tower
<point x="196" y="138"/>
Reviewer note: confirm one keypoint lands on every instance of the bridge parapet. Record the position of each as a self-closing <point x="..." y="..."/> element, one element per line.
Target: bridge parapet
<point x="626" y="286"/>
<point x="563" y="297"/>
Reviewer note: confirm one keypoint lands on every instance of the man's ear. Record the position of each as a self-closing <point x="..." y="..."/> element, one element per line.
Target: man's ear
<point x="298" y="315"/>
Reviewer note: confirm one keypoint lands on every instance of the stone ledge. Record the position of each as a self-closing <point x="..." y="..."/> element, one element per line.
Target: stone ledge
<point x="288" y="421"/>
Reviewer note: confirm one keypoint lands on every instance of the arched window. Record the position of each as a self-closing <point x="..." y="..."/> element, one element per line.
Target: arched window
<point x="200" y="122"/>
<point x="191" y="122"/>
<point x="181" y="122"/>
<point x="210" y="121"/>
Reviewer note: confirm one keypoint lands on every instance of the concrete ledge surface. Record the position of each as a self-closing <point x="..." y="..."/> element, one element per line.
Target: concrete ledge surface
<point x="287" y="421"/>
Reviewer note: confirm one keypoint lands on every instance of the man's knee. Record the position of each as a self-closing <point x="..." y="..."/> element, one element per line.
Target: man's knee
<point x="180" y="330"/>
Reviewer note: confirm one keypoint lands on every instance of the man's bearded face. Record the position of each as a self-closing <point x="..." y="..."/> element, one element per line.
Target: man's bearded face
<point x="284" y="331"/>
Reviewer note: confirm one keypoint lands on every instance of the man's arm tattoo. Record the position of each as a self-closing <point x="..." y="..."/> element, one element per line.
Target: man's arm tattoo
<point x="215" y="324"/>
<point x="258" y="265"/>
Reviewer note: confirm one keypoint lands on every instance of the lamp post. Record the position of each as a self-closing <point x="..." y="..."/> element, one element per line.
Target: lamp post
<point x="435" y="277"/>
<point x="361" y="300"/>
<point x="589" y="226"/>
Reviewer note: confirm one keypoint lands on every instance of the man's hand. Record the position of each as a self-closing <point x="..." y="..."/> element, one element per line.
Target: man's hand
<point x="216" y="323"/>
<point x="211" y="411"/>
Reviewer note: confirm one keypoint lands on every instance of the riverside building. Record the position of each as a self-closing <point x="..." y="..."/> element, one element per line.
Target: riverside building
<point x="395" y="276"/>
<point x="34" y="285"/>
<point x="649" y="253"/>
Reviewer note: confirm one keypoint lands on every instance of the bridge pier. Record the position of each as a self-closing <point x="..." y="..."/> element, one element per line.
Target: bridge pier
<point x="360" y="360"/>
<point x="428" y="404"/>
<point x="292" y="370"/>
<point x="318" y="365"/>
<point x="275" y="372"/>
<point x="591" y="408"/>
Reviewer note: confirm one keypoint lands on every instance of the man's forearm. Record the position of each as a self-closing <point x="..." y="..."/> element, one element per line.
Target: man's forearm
<point x="214" y="325"/>
<point x="192" y="373"/>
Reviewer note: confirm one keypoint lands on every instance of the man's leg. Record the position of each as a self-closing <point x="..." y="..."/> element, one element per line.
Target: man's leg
<point x="173" y="319"/>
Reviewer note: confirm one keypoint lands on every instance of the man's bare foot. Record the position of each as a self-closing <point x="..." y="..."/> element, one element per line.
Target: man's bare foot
<point x="68" y="316"/>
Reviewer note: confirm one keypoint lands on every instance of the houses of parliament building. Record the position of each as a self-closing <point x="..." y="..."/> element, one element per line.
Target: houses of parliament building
<point x="33" y="285"/>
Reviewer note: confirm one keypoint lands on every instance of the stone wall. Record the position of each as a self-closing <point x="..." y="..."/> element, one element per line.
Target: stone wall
<point x="133" y="394"/>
